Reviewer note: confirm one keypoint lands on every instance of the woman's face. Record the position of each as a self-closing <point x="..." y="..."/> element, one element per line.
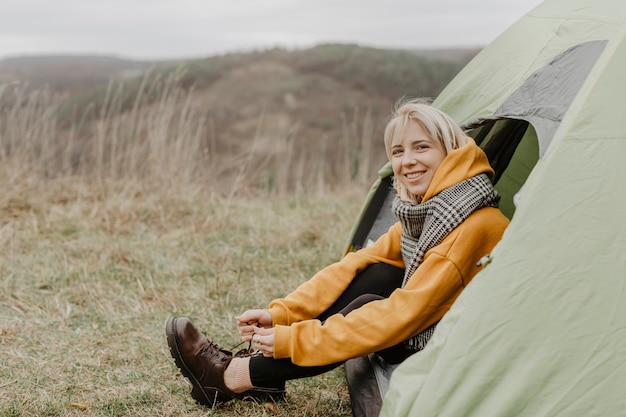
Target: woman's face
<point x="414" y="158"/>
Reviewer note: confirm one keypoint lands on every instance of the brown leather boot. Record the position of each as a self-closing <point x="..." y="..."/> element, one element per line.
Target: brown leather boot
<point x="200" y="360"/>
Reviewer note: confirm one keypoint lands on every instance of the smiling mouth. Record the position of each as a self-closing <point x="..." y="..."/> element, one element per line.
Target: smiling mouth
<point x="414" y="175"/>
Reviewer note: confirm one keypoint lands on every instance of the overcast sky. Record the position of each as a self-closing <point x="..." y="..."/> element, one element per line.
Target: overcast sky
<point x="157" y="29"/>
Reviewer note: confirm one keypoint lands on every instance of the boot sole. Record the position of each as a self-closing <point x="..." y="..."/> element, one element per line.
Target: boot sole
<point x="273" y="395"/>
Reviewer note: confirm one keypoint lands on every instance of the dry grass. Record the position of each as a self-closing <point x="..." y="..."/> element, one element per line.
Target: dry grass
<point x="167" y="133"/>
<point x="89" y="273"/>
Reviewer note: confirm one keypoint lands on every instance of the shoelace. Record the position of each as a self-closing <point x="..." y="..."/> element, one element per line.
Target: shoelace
<point x="216" y="351"/>
<point x="242" y="353"/>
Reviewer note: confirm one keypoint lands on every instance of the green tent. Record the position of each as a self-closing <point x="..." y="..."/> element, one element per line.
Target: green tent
<point x="541" y="331"/>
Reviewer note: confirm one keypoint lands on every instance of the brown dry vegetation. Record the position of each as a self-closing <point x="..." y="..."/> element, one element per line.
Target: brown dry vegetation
<point x="199" y="190"/>
<point x="277" y="121"/>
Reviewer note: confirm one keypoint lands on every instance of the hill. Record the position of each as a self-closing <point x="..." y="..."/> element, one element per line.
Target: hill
<point x="71" y="73"/>
<point x="67" y="73"/>
<point x="276" y="119"/>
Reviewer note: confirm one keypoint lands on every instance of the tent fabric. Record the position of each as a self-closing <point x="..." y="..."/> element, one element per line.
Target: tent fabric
<point x="546" y="95"/>
<point x="541" y="331"/>
<point x="376" y="215"/>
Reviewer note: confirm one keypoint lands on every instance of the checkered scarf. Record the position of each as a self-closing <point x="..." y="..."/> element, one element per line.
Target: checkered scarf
<point x="425" y="225"/>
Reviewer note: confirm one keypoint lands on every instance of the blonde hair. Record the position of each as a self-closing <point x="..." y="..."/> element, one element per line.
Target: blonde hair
<point x="438" y="125"/>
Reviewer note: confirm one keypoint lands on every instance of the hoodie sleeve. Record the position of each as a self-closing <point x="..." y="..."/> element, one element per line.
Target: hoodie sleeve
<point x="316" y="295"/>
<point x="378" y="324"/>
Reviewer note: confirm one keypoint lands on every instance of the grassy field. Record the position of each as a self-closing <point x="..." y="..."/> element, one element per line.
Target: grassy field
<point x="200" y="193"/>
<point x="89" y="272"/>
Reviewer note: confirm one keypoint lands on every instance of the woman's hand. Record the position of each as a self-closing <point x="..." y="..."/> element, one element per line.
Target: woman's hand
<point x="252" y="320"/>
<point x="263" y="340"/>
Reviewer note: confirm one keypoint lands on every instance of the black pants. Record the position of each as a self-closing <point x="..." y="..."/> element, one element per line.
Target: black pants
<point x="376" y="282"/>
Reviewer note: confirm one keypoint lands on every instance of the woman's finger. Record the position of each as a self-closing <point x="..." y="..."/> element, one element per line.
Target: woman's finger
<point x="246" y="329"/>
<point x="247" y="333"/>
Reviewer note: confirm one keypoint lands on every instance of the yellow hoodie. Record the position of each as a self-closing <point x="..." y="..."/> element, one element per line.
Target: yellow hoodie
<point x="430" y="291"/>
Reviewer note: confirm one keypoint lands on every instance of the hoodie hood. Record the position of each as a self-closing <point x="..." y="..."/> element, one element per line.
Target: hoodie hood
<point x="460" y="164"/>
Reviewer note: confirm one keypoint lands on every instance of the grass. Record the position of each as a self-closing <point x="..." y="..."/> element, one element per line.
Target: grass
<point x="89" y="272"/>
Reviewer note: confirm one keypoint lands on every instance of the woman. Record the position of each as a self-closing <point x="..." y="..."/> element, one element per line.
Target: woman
<point x="385" y="298"/>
